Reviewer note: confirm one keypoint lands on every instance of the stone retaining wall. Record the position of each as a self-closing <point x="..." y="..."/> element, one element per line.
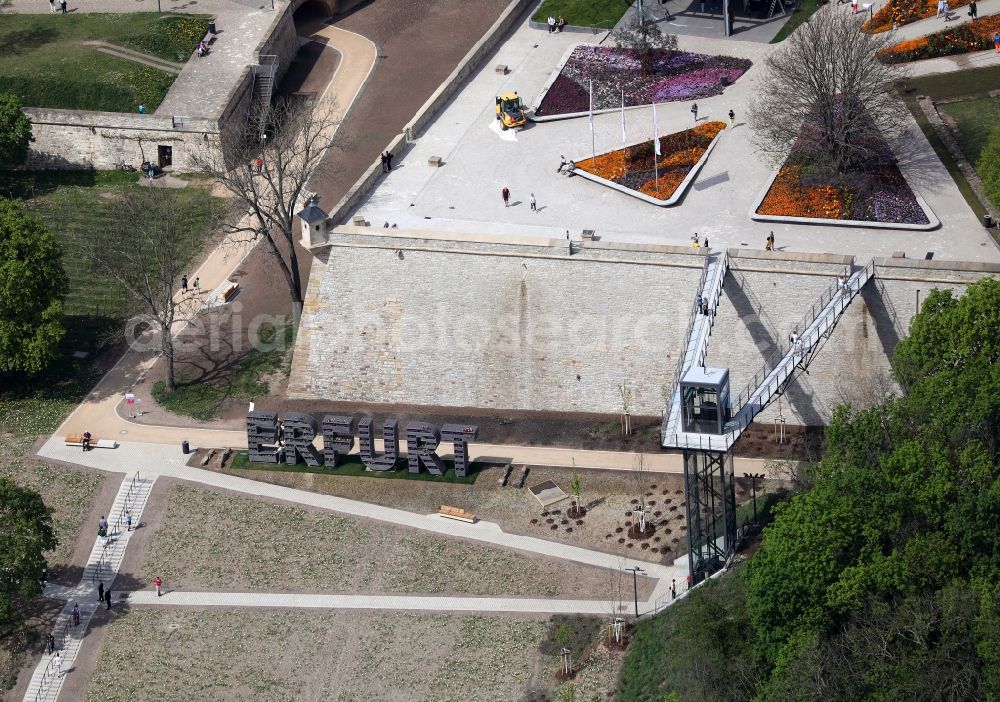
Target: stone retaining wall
<point x="509" y="323"/>
<point x="84" y="139"/>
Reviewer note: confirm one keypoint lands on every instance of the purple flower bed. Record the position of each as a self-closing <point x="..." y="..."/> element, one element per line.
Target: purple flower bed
<point x="676" y="76"/>
<point x="889" y="200"/>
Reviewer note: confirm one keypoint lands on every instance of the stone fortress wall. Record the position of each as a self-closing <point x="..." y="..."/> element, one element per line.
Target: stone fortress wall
<point x="438" y="319"/>
<point x="101" y="140"/>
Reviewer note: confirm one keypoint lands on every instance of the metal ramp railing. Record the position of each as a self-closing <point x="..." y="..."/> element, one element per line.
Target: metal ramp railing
<point x="770" y="381"/>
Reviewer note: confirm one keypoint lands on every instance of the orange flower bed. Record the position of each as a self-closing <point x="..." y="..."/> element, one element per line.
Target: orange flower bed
<point x="900" y="12"/>
<point x="976" y="35"/>
<point x="789" y="198"/>
<point x="633" y="167"/>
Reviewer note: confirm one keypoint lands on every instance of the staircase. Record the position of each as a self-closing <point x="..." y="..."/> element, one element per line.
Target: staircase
<point x="264" y="73"/>
<point x="695" y="345"/>
<point x="771" y="379"/>
<point x="105" y="559"/>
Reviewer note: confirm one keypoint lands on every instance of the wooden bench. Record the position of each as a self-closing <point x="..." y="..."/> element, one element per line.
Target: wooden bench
<point x="77" y="440"/>
<point x="229" y="291"/>
<point x="457" y="513"/>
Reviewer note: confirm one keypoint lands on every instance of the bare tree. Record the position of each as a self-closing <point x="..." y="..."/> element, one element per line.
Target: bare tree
<point x="825" y="92"/>
<point x="145" y="247"/>
<point x="267" y="166"/>
<point x="625" y="392"/>
<point x="644" y="38"/>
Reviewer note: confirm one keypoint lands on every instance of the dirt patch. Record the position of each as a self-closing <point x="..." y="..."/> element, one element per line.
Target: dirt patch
<point x="295" y="655"/>
<point x="608" y="496"/>
<point x="206" y="540"/>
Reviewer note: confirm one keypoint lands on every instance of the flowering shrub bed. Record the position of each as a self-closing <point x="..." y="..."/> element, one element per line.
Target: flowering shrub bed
<point x="633" y="166"/>
<point x="900" y="12"/>
<point x="880" y="195"/>
<point x="676" y="75"/>
<point x="976" y="35"/>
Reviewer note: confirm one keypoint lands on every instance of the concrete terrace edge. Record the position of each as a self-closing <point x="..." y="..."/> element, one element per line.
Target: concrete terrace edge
<point x="679" y="193"/>
<point x="476" y="55"/>
<point x="932" y="221"/>
<point x="349" y="236"/>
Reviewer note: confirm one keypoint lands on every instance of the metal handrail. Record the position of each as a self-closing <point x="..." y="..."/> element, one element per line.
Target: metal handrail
<point x="781" y="349"/>
<point x="43" y="684"/>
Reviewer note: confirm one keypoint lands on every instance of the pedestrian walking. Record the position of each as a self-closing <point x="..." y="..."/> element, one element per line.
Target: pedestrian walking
<point x="184" y="284"/>
<point x="673" y="588"/>
<point x="50" y="644"/>
<point x="57" y="661"/>
<point x="107" y="597"/>
<point x="705" y="243"/>
<point x="996" y="42"/>
<point x="158" y="583"/>
<point x="62" y="6"/>
<point x="385" y="165"/>
<point x="52" y="6"/>
<point x="732" y="118"/>
<point x="769" y="245"/>
<point x="102" y="526"/>
<point x="552" y="24"/>
<point x="973" y="12"/>
<point x="128" y="515"/>
<point x="533" y="203"/>
<point x="258" y="164"/>
<point x="76" y="615"/>
<point x="388" y="161"/>
<point x="100" y="591"/>
<point x="505" y="194"/>
<point x="694" y="111"/>
<point x="854" y="6"/>
<point x="197" y="285"/>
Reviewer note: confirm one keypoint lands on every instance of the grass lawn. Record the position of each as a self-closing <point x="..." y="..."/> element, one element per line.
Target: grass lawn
<point x="202" y="399"/>
<point x="800" y="14"/>
<point x="583" y="13"/>
<point x="974" y="82"/>
<point x="45" y="61"/>
<point x="976" y="120"/>
<point x="353" y="466"/>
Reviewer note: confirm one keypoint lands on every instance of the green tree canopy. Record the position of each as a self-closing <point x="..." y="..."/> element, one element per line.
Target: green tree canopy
<point x="33" y="286"/>
<point x="15" y="130"/>
<point x="25" y="534"/>
<point x="883" y="576"/>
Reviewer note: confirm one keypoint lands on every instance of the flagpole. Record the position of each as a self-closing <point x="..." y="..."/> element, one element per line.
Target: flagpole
<point x="593" y="146"/>
<point x="624" y="138"/>
<point x="656" y="152"/>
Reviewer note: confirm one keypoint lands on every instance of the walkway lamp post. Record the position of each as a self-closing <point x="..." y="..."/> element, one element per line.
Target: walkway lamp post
<point x="635" y="570"/>
<point x="754" y="477"/>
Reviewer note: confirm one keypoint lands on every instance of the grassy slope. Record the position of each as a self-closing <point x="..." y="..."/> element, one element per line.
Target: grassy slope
<point x="71" y="204"/>
<point x="583" y="13"/>
<point x="44" y="60"/>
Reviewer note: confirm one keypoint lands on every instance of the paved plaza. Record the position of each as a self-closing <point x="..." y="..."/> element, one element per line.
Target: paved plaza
<point x="463" y="195"/>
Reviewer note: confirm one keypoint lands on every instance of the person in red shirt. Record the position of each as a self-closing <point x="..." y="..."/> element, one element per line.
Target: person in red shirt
<point x="158" y="583"/>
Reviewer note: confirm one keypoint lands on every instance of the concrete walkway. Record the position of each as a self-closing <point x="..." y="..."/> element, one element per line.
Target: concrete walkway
<point x="168" y="461"/>
<point x="519" y="605"/>
<point x="102" y="566"/>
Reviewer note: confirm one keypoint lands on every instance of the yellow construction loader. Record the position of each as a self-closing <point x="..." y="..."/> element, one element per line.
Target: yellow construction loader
<point x="510" y="110"/>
